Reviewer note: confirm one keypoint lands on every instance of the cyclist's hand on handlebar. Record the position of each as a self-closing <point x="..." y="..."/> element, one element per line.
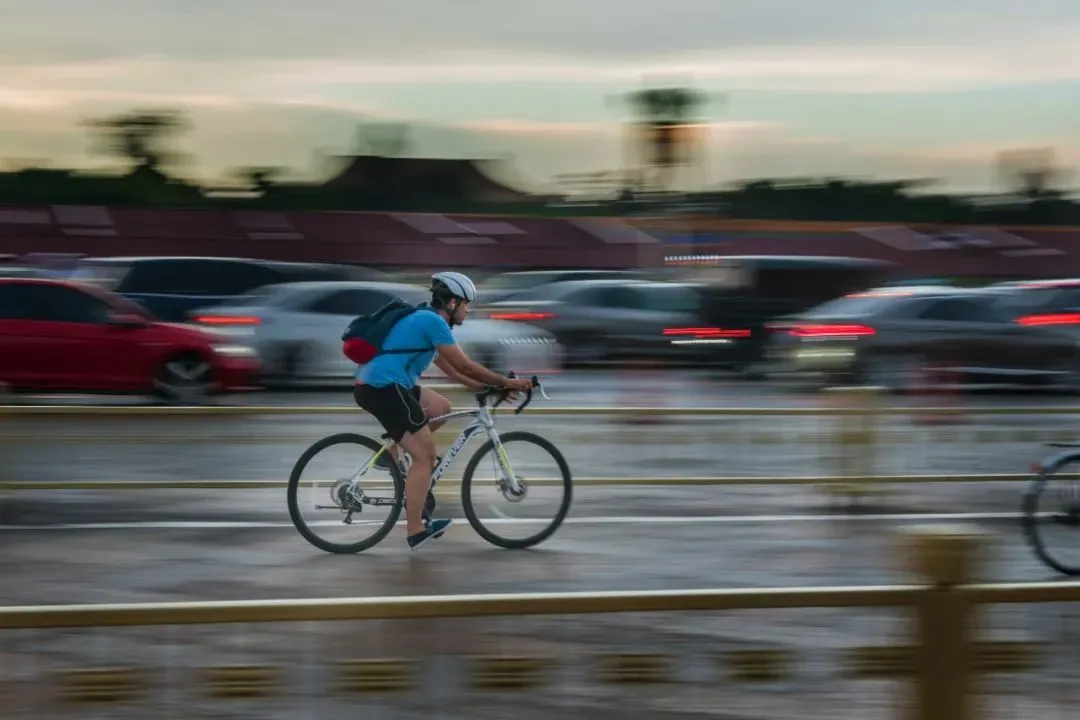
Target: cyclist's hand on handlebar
<point x="518" y="384"/>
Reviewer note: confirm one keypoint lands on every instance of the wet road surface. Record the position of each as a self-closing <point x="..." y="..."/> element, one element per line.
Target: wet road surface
<point x="170" y="545"/>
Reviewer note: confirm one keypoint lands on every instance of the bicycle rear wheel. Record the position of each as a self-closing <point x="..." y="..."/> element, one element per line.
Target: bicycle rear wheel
<point x="344" y="509"/>
<point x="1043" y="521"/>
<point x="543" y="475"/>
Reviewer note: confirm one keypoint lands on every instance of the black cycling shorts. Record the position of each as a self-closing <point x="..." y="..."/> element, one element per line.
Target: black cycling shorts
<point x="397" y="409"/>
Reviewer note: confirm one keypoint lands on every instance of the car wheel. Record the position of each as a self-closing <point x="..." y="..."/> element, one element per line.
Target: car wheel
<point x="184" y="379"/>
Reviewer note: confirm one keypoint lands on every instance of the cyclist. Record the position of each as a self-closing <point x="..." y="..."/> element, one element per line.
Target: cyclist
<point x="387" y="387"/>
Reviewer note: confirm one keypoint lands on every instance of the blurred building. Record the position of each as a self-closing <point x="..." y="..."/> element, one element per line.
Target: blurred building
<point x="450" y="180"/>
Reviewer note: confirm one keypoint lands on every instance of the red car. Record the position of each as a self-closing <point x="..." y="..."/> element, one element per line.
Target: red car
<point x="58" y="336"/>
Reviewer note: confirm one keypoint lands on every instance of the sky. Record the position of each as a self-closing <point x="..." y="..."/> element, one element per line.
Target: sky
<point x="922" y="88"/>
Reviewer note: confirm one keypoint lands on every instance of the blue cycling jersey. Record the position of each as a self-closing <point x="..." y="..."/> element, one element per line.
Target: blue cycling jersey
<point x="423" y="328"/>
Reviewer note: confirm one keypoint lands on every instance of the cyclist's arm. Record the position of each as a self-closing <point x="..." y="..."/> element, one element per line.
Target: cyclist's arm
<point x="456" y="359"/>
<point x="458" y="377"/>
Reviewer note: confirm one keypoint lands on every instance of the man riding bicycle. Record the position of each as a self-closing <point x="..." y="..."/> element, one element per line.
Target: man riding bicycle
<point x="387" y="387"/>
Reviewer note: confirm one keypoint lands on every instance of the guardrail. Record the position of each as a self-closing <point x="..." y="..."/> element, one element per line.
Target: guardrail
<point x="852" y="447"/>
<point x="450" y="486"/>
<point x="937" y="653"/>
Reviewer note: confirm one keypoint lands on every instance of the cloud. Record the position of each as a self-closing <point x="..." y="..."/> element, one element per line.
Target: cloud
<point x="395" y="31"/>
<point x="264" y="82"/>
<point x="795" y="69"/>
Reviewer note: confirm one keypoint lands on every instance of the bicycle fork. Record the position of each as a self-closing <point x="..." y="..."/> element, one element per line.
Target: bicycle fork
<point x="511" y="489"/>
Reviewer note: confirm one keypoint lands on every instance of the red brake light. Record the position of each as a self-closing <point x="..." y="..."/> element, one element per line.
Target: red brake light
<point x="1050" y="319"/>
<point x="705" y="332"/>
<point x="831" y="330"/>
<point x="226" y="320"/>
<point x="522" y="316"/>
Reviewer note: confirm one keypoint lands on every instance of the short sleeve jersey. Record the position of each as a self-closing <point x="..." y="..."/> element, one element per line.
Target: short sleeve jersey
<point x="424" y="328"/>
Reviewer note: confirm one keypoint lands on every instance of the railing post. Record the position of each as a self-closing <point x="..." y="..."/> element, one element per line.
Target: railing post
<point x="856" y="438"/>
<point x="945" y="558"/>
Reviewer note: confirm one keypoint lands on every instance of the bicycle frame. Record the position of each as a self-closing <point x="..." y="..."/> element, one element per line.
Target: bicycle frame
<point x="484" y="421"/>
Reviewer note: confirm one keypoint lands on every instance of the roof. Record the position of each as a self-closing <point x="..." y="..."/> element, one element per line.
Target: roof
<point x="465" y="176"/>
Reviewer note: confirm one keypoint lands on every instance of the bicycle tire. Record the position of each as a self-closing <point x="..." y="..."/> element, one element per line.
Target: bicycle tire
<point x="560" y="516"/>
<point x="294" y="509"/>
<point x="1030" y="512"/>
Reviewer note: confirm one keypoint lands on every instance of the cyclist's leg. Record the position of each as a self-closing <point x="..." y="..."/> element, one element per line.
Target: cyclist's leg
<point x="384" y="405"/>
<point x="400" y="413"/>
<point x="434" y="405"/>
<point x="420" y="444"/>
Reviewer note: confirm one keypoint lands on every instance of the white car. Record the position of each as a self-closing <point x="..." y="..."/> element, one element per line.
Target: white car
<point x="296" y="329"/>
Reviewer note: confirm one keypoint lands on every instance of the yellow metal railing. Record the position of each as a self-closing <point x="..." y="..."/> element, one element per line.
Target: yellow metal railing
<point x="939" y="656"/>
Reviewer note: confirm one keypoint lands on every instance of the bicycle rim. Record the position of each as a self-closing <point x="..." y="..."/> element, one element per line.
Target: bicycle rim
<point x="1051" y="519"/>
<point x="546" y="477"/>
<point x="375" y="512"/>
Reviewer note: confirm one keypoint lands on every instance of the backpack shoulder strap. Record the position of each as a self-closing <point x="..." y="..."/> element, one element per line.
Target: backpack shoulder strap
<point x="406" y="312"/>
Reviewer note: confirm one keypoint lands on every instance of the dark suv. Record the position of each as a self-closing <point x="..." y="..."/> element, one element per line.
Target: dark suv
<point x="742" y="293"/>
<point x="1043" y="303"/>
<point x="170" y="287"/>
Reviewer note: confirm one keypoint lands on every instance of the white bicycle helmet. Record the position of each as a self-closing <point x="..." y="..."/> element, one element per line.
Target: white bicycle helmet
<point x="453" y="284"/>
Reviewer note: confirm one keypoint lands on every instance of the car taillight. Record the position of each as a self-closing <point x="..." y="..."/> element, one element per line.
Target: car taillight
<point x="831" y="330"/>
<point x="221" y="320"/>
<point x="705" y="332"/>
<point x="521" y="316"/>
<point x="1050" y="319"/>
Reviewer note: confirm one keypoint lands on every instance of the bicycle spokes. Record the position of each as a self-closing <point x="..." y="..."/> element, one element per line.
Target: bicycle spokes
<point x="339" y="491"/>
<point x="517" y="489"/>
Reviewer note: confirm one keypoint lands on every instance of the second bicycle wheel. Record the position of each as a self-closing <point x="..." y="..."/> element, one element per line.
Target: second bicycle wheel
<point x="517" y="522"/>
<point x="346" y="516"/>
<point x="1051" y="518"/>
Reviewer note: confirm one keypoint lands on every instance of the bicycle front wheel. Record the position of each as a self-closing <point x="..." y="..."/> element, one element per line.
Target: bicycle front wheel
<point x="1051" y="517"/>
<point x="521" y="520"/>
<point x="353" y="504"/>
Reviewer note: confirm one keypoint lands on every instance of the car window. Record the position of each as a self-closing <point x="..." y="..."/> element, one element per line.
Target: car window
<point x="51" y="303"/>
<point x="107" y="275"/>
<point x="619" y="297"/>
<point x="853" y="306"/>
<point x="959" y="310"/>
<point x="1038" y="300"/>
<point x="671" y="299"/>
<point x="195" y="277"/>
<point x="66" y="304"/>
<point x="349" y="302"/>
<point x="16" y="301"/>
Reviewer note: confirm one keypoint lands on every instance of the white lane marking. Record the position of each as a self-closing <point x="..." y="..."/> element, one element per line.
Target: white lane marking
<point x="599" y="520"/>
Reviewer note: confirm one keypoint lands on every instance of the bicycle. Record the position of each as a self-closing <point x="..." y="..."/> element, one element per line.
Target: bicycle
<point x="350" y="499"/>
<point x="1045" y="471"/>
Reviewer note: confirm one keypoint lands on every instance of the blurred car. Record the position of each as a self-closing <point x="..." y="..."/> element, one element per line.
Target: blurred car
<point x="508" y="285"/>
<point x="297" y="327"/>
<point x="170" y="287"/>
<point x="21" y="271"/>
<point x="59" y="336"/>
<point x="1043" y="303"/>
<point x="891" y="337"/>
<point x="742" y="293"/>
<point x="598" y="320"/>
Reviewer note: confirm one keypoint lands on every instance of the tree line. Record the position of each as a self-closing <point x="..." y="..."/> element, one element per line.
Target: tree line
<point x="144" y="140"/>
